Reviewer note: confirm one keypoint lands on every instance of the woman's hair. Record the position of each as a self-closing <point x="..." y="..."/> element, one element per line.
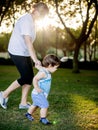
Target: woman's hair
<point x="50" y="60"/>
<point x="42" y="8"/>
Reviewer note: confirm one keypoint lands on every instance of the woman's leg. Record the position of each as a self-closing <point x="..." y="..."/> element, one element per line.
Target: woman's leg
<point x="25" y="68"/>
<point x="25" y="91"/>
<point x="10" y="89"/>
<point x="4" y="94"/>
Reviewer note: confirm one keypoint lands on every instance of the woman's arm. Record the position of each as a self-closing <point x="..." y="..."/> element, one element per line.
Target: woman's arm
<point x="31" y="49"/>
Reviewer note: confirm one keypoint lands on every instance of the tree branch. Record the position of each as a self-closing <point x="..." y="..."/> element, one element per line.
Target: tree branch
<point x="94" y="19"/>
<point x="67" y="29"/>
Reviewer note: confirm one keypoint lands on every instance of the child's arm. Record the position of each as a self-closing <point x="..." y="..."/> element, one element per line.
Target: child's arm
<point x="37" y="77"/>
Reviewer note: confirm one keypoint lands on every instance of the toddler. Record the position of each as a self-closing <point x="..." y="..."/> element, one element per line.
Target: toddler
<point x="42" y="84"/>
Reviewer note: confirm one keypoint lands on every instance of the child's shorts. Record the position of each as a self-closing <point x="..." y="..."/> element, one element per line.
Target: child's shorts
<point x="40" y="100"/>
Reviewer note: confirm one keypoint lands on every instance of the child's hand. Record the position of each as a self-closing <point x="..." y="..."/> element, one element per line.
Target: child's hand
<point x="38" y="65"/>
<point x="39" y="90"/>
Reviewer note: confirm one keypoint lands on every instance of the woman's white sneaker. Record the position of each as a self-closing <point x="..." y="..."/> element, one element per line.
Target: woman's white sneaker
<point x="3" y="101"/>
<point x="24" y="106"/>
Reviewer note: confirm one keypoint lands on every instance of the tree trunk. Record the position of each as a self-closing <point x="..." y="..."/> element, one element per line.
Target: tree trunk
<point x="75" y="60"/>
<point x="85" y="49"/>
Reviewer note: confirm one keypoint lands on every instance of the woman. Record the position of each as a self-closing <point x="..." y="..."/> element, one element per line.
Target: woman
<point x="22" y="51"/>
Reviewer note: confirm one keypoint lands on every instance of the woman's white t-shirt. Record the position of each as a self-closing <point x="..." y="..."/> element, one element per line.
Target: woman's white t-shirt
<point x="24" y="26"/>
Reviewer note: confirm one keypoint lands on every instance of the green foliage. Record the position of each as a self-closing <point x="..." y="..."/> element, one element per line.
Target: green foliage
<point x="73" y="102"/>
<point x="4" y="39"/>
<point x="58" y="52"/>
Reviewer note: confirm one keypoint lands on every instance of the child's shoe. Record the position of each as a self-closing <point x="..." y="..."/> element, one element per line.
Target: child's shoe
<point x="45" y="121"/>
<point x="29" y="116"/>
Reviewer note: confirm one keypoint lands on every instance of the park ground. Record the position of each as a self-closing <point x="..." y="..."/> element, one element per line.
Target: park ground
<point x="73" y="102"/>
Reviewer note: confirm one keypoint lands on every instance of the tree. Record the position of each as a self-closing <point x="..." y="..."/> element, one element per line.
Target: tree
<point x="4" y="7"/>
<point x="86" y="28"/>
<point x="68" y="11"/>
<point x="9" y="7"/>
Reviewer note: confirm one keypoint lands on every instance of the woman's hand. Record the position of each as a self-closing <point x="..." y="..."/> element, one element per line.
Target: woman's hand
<point x="38" y="65"/>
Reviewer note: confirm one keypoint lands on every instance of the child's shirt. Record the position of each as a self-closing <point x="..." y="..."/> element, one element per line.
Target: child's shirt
<point x="44" y="83"/>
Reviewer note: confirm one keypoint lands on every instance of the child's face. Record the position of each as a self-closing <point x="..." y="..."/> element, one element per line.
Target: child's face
<point x="52" y="69"/>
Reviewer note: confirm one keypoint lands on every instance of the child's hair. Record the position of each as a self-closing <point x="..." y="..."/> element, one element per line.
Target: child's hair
<point x="42" y="8"/>
<point x="50" y="59"/>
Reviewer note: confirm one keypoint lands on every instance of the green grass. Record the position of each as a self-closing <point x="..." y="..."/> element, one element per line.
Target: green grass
<point x="73" y="102"/>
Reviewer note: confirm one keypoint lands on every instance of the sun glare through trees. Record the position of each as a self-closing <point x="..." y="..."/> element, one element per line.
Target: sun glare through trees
<point x="73" y="22"/>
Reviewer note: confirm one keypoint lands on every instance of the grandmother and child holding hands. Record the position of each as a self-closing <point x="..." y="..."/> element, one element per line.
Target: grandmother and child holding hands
<point x="22" y="52"/>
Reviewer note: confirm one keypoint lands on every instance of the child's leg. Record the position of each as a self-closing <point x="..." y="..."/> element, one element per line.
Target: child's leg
<point x="43" y="114"/>
<point x="30" y="112"/>
<point x="32" y="109"/>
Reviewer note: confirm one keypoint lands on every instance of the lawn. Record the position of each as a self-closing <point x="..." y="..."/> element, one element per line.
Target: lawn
<point x="73" y="102"/>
